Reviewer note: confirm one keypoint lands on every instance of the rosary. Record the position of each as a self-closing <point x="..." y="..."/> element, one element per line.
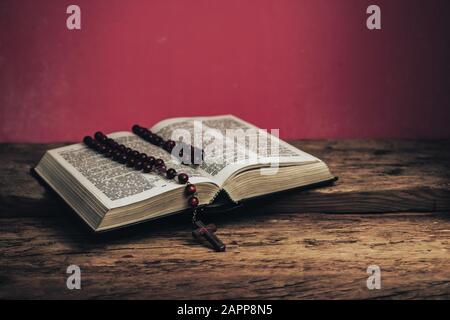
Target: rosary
<point x="142" y="162"/>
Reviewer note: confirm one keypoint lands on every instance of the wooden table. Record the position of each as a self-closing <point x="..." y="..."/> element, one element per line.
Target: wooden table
<point x="389" y="208"/>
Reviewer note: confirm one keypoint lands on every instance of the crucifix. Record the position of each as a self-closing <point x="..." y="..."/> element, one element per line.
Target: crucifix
<point x="207" y="232"/>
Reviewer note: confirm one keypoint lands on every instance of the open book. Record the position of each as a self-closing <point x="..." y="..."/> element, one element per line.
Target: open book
<point x="107" y="195"/>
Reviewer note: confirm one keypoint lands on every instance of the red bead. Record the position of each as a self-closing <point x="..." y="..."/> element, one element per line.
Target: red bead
<point x="193" y="202"/>
<point x="171" y="173"/>
<point x="142" y="157"/>
<point x="102" y="148"/>
<point x="99" y="136"/>
<point x="134" y="153"/>
<point x="159" y="162"/>
<point x="94" y="144"/>
<point x="123" y="158"/>
<point x="130" y="162"/>
<point x="191" y="189"/>
<point x="109" y="152"/>
<point x="116" y="155"/>
<point x="139" y="165"/>
<point x="159" y="142"/>
<point x="147" y="167"/>
<point x="149" y="137"/>
<point x="162" y="169"/>
<point x="136" y="129"/>
<point x="145" y="135"/>
<point x="151" y="160"/>
<point x="169" y="145"/>
<point x="113" y="144"/>
<point x="88" y="141"/>
<point x="183" y="178"/>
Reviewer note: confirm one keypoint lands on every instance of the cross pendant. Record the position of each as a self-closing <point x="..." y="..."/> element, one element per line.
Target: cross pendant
<point x="207" y="232"/>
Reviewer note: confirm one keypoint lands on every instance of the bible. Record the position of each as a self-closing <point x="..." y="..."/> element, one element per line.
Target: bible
<point x="241" y="161"/>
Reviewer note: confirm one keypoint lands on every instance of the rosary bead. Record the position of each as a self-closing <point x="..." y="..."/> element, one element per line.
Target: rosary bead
<point x="153" y="138"/>
<point x="137" y="129"/>
<point x="191" y="189"/>
<point x="142" y="157"/>
<point x="161" y="169"/>
<point x="148" y="137"/>
<point x="183" y="178"/>
<point x="171" y="173"/>
<point x="151" y="160"/>
<point x="102" y="148"/>
<point x="159" y="162"/>
<point x="109" y="141"/>
<point x="131" y="162"/>
<point x="147" y="167"/>
<point x="169" y="145"/>
<point x="139" y="165"/>
<point x="134" y="153"/>
<point x="99" y="136"/>
<point x="128" y="150"/>
<point x="123" y="158"/>
<point x="109" y="152"/>
<point x="121" y="148"/>
<point x="193" y="202"/>
<point x="88" y="141"/>
<point x="116" y="155"/>
<point x="157" y="140"/>
<point x="145" y="135"/>
<point x="95" y="145"/>
<point x="114" y="144"/>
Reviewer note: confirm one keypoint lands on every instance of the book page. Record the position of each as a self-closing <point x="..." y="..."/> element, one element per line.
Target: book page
<point x="240" y="155"/>
<point x="115" y="184"/>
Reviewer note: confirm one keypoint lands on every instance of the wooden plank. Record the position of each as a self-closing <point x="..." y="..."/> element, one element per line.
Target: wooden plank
<point x="374" y="176"/>
<point x="290" y="256"/>
<point x="272" y="253"/>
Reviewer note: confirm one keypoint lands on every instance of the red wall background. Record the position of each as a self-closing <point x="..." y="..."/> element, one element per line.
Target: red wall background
<point x="308" y="67"/>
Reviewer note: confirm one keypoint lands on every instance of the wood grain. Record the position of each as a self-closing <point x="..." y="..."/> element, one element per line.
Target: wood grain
<point x="375" y="176"/>
<point x="273" y="249"/>
<point x="294" y="256"/>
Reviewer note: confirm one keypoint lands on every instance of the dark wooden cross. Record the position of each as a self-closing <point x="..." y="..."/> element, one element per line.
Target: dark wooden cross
<point x="207" y="232"/>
